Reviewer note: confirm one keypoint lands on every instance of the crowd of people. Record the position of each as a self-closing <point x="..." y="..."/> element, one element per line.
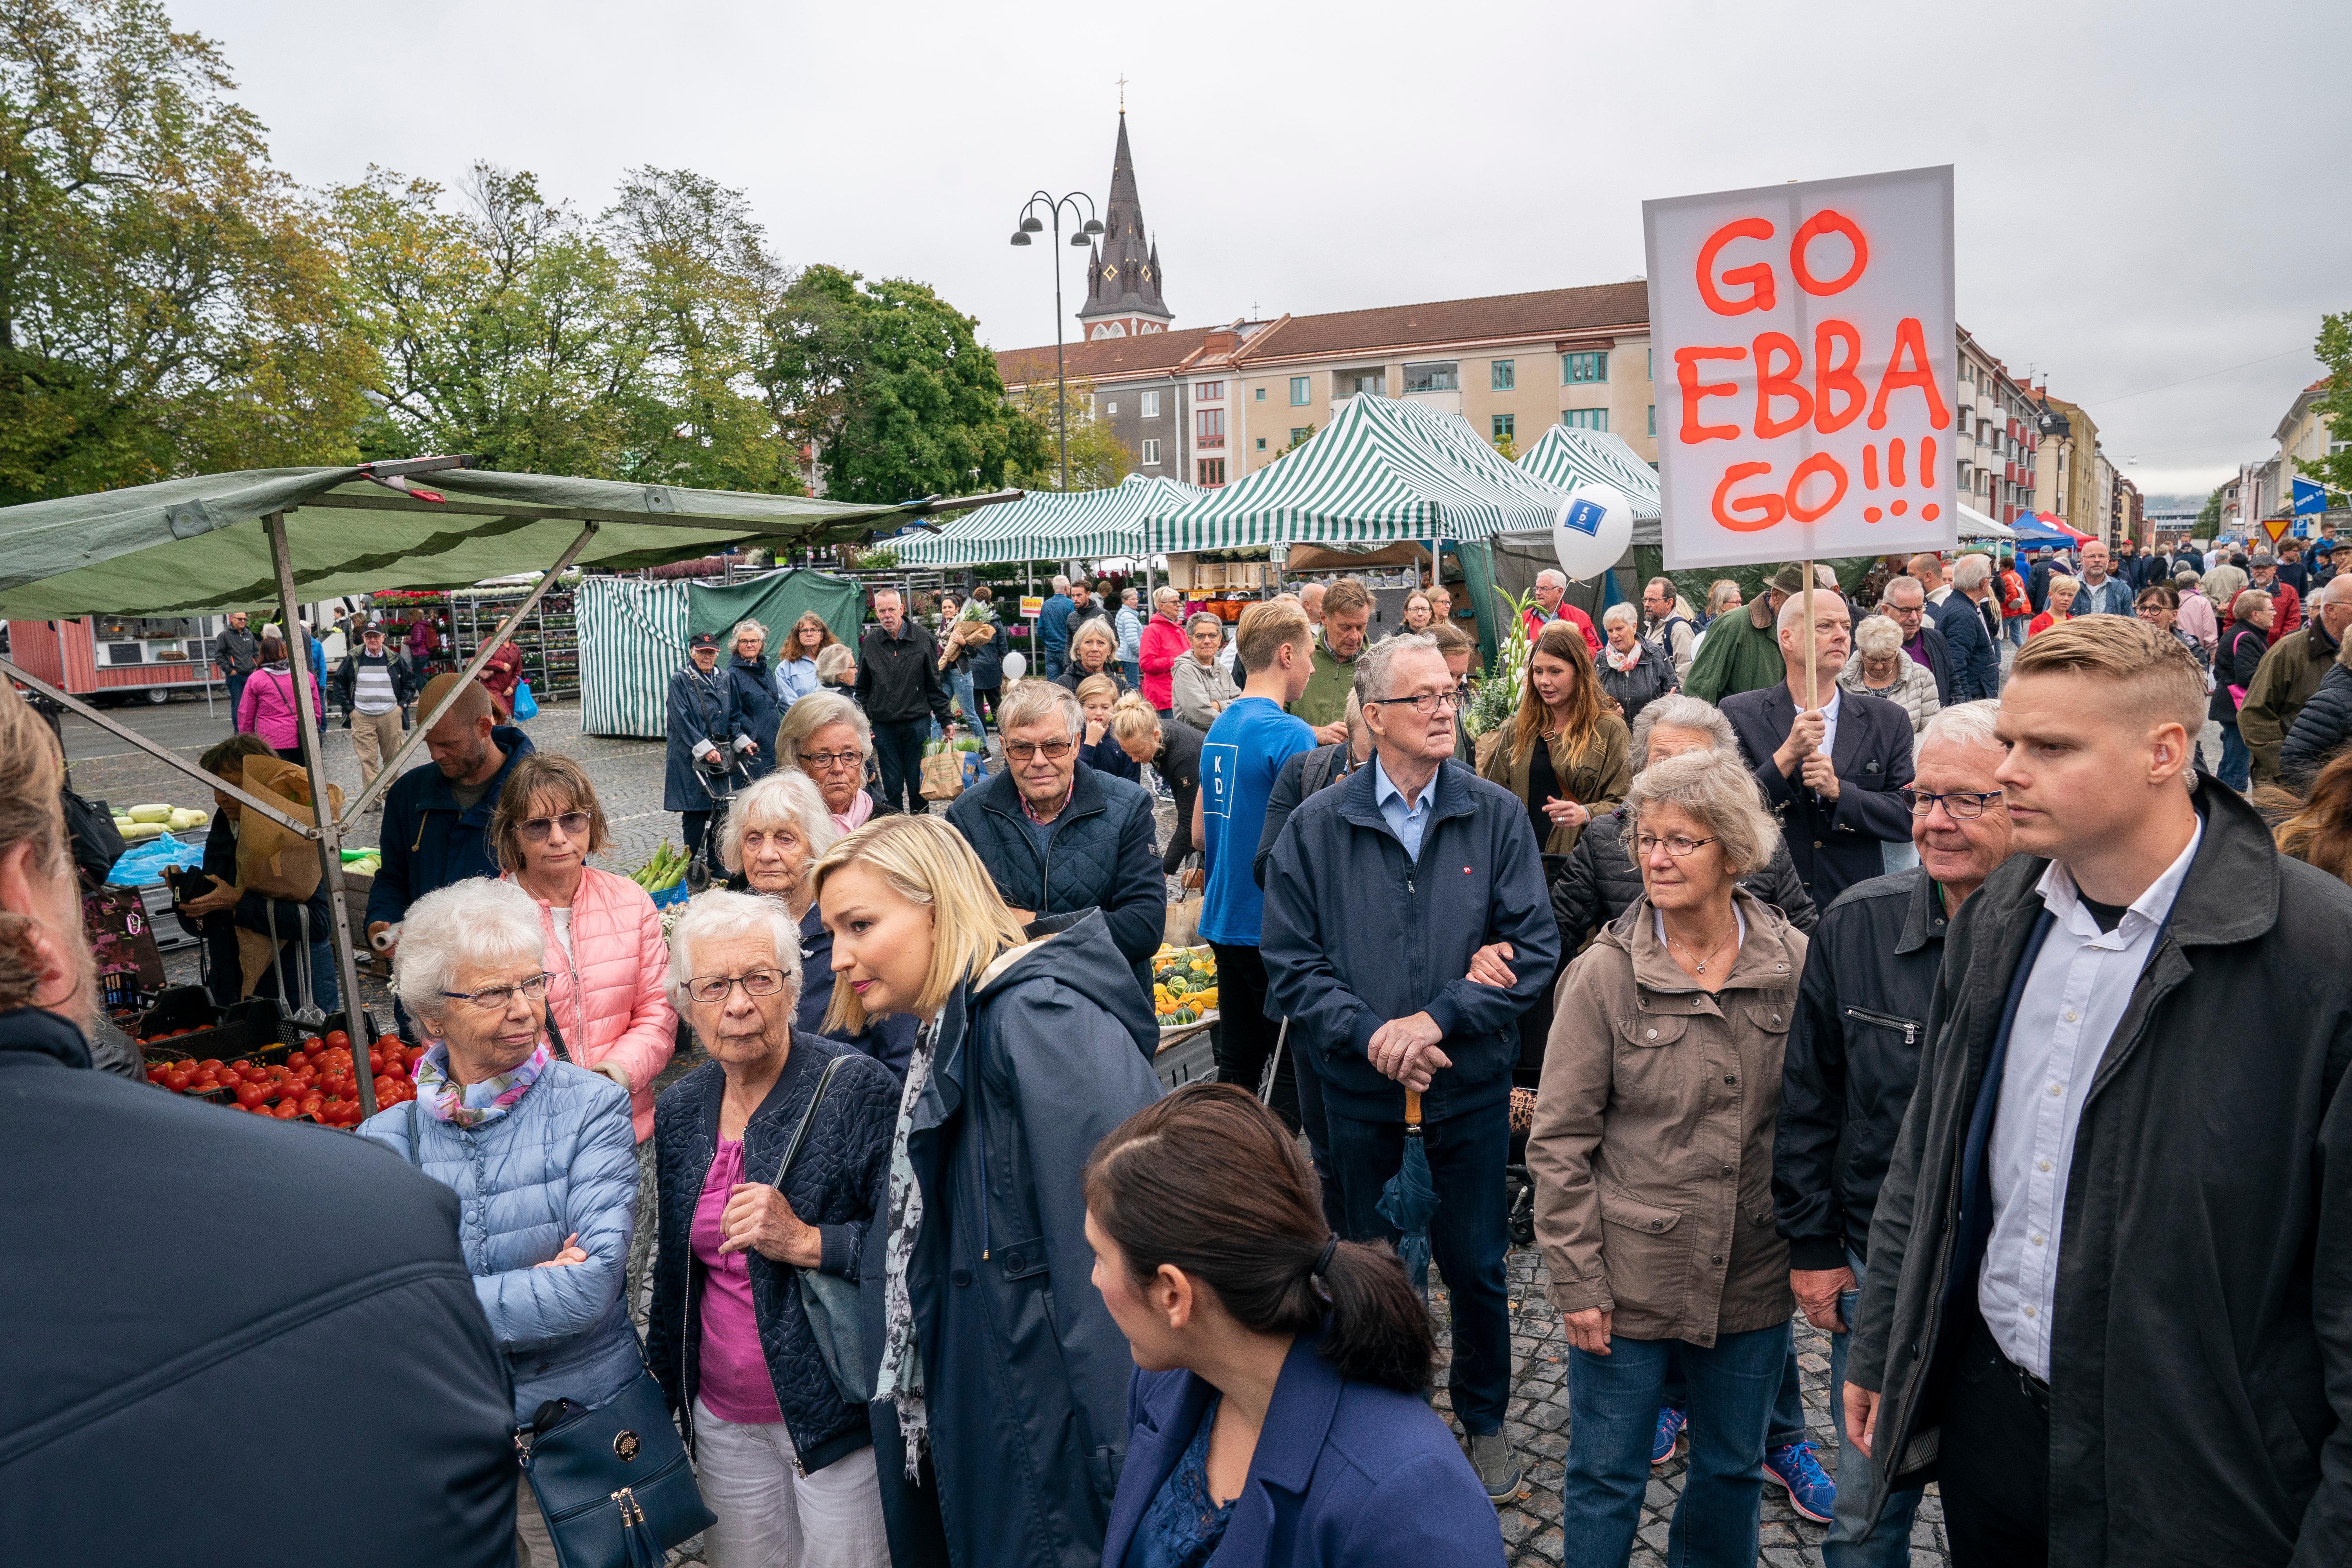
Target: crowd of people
<point x="1805" y="959"/>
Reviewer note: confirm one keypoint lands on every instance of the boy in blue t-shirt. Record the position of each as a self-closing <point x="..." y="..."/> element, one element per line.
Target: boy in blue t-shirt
<point x="1245" y="750"/>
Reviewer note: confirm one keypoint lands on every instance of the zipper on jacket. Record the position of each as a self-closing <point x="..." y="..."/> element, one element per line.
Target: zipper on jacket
<point x="1888" y="1020"/>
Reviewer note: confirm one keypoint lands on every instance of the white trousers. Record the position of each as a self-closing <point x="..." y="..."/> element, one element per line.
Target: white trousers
<point x="771" y="1516"/>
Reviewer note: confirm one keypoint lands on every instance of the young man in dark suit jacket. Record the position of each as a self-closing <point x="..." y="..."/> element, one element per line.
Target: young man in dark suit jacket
<point x="1829" y="761"/>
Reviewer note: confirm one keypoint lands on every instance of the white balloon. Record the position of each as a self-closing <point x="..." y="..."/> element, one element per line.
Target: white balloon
<point x="1592" y="529"/>
<point x="1014" y="663"/>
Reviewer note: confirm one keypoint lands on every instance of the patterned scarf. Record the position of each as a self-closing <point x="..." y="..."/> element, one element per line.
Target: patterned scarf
<point x="1622" y="662"/>
<point x="476" y="1103"/>
<point x="901" y="1379"/>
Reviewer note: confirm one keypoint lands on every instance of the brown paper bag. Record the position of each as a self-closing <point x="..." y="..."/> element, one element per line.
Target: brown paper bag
<point x="270" y="858"/>
<point x="943" y="775"/>
<point x="1180" y="927"/>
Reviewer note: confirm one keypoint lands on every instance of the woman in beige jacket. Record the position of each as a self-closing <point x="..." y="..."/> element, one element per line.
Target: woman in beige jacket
<point x="1653" y="1157"/>
<point x="1564" y="752"/>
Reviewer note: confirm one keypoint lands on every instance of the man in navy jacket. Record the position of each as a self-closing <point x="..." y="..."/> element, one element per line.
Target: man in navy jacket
<point x="1975" y="647"/>
<point x="1380" y="891"/>
<point x="1829" y="761"/>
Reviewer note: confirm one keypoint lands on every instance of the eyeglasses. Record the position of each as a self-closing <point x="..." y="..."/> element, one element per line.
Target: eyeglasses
<point x="1025" y="751"/>
<point x="1960" y="806"/>
<point x="1427" y="703"/>
<point x="709" y="988"/>
<point x="495" y="998"/>
<point x="825" y="762"/>
<point x="1681" y="846"/>
<point x="573" y="822"/>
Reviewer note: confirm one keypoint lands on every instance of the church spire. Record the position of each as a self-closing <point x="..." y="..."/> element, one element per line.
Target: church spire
<point x="1123" y="282"/>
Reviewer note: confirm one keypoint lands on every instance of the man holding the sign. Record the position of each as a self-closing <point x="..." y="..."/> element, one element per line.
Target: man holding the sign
<point x="1830" y="761"/>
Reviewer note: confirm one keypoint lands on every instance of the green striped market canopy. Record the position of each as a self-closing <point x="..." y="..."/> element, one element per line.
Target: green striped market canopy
<point x="1386" y="470"/>
<point x="1049" y="525"/>
<point x="1565" y="458"/>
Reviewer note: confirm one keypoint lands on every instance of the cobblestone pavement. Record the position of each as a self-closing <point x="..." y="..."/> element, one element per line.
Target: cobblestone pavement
<point x="628" y="775"/>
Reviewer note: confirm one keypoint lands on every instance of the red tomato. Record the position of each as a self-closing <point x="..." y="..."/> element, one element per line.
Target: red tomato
<point x="210" y="1063"/>
<point x="315" y="1040"/>
<point x="176" y="1081"/>
<point x="248" y="1094"/>
<point x="336" y="1037"/>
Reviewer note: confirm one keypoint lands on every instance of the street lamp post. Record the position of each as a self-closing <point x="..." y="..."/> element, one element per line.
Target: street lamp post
<point x="1081" y="232"/>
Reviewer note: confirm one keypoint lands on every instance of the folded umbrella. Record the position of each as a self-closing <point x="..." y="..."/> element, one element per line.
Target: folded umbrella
<point x="1410" y="1198"/>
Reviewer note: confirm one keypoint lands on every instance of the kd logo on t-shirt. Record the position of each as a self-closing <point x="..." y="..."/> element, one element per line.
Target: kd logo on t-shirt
<point x="1219" y="763"/>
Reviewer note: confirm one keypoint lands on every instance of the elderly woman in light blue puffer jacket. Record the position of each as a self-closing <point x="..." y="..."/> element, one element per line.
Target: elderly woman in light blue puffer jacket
<point x="540" y="1154"/>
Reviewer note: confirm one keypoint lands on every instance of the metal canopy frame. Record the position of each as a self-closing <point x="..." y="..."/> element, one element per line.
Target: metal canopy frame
<point x="329" y="829"/>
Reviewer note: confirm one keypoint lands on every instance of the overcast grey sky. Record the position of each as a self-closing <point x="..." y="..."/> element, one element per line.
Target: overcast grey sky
<point x="2147" y="192"/>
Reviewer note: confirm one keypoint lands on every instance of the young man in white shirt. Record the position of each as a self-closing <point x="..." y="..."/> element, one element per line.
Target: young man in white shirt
<point x="2107" y="1306"/>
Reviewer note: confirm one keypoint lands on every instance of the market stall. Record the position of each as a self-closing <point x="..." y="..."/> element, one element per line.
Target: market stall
<point x="179" y="547"/>
<point x="633" y="633"/>
<point x="1564" y="458"/>
<point x="1049" y="525"/>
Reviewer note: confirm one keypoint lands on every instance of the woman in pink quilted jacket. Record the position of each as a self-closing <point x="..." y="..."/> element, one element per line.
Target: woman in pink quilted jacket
<point x="604" y="947"/>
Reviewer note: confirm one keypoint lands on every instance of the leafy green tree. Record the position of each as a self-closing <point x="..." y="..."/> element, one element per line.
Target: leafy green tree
<point x="165" y="304"/>
<point x="1306" y="433"/>
<point x="891" y="384"/>
<point x="1097" y="457"/>
<point x="2335" y="351"/>
<point x="2208" y="517"/>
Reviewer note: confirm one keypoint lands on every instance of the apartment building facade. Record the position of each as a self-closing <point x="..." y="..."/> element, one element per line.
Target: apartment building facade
<point x="1995" y="435"/>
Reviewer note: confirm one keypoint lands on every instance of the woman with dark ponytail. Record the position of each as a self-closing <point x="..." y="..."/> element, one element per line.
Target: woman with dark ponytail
<point x="1280" y="1397"/>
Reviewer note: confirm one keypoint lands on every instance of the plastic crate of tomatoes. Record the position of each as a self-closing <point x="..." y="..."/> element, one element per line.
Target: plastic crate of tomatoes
<point x="315" y="1081"/>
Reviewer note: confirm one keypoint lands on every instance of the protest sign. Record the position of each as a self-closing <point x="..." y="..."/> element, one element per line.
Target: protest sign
<point x="1806" y="369"/>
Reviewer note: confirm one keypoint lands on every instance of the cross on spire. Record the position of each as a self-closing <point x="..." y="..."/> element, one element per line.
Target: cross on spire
<point x="1122" y="92"/>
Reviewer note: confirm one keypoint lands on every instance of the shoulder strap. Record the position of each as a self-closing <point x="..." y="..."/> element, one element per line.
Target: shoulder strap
<point x="413" y="1158"/>
<point x="792" y="1150"/>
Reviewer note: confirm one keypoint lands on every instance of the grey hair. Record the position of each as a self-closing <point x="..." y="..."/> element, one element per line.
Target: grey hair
<point x="1033" y="700"/>
<point x="1620" y="611"/>
<point x="819" y="711"/>
<point x="1358" y="731"/>
<point x="1965" y="724"/>
<point x="1681" y="711"/>
<point x="481" y="920"/>
<point x="1552" y="577"/>
<point x="1060" y="582"/>
<point x="892" y="592"/>
<point x="1877" y="636"/>
<point x="1089" y="630"/>
<point x="831" y="660"/>
<point x="1886" y="596"/>
<point x="717" y="915"/>
<point x="747" y="628"/>
<point x="1372" y="677"/>
<point x="1719" y="794"/>
<point x="1219" y="621"/>
<point x="785" y="797"/>
<point x="1972" y="572"/>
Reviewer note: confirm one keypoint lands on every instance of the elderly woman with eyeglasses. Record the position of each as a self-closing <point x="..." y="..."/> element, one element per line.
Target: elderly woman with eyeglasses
<point x="827" y="737"/>
<point x="1652" y="1152"/>
<point x="784" y="1459"/>
<point x="776" y="830"/>
<point x="539" y="1150"/>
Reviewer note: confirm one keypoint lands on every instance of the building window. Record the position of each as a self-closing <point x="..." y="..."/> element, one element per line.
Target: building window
<point x="1150" y="453"/>
<point x="1653" y="421"/>
<point x="1502" y="376"/>
<point x="1435" y="376"/>
<point x="1209" y="427"/>
<point x="1298" y="392"/>
<point x="1585" y="418"/>
<point x="1577" y="369"/>
<point x="1151" y="405"/>
<point x="1261" y="394"/>
<point x="1649" y="364"/>
<point x="1110" y="410"/>
<point x="1300" y="433"/>
<point x="1506" y="426"/>
<point x="1208" y="392"/>
<point x="1212" y="472"/>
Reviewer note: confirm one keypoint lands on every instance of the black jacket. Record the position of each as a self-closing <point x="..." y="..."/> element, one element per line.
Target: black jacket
<point x="1302" y="775"/>
<point x="1834" y="846"/>
<point x="342" y="685"/>
<point x="237" y="653"/>
<point x="1652" y="677"/>
<point x="1071" y="675"/>
<point x="984" y="662"/>
<point x="898" y="678"/>
<point x="1179" y="762"/>
<point x="757" y="713"/>
<point x="1598" y="881"/>
<point x="2200" y="1397"/>
<point x="1103" y="857"/>
<point x="232" y="1285"/>
<point x="2321" y="728"/>
<point x="1024" y="1373"/>
<point x="1940" y="655"/>
<point x="2235" y="661"/>
<point x="1862" y="1013"/>
<point x="842" y="1167"/>
<point x="696" y="710"/>
<point x="1356" y="934"/>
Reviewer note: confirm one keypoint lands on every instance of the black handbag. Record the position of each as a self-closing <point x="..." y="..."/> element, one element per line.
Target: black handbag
<point x="829" y="1301"/>
<point x="612" y="1482"/>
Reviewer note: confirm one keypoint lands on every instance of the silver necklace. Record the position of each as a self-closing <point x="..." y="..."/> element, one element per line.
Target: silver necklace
<point x="1703" y="962"/>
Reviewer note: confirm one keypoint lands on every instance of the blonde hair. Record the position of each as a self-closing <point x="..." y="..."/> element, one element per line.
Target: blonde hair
<point x="1087" y="633"/>
<point x="1095" y="686"/>
<point x="1131" y="719"/>
<point x="819" y="711"/>
<point x="2159" y="676"/>
<point x="833" y="659"/>
<point x="32" y="812"/>
<point x="1718" y="793"/>
<point x="925" y="861"/>
<point x="1266" y="628"/>
<point x="2060" y="580"/>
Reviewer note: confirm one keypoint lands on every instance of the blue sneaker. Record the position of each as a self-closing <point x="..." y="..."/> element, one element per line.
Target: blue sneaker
<point x="1670" y="1427"/>
<point x="1796" y="1467"/>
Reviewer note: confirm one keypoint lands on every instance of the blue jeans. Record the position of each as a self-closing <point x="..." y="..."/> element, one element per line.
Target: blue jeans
<point x="1467" y="1236"/>
<point x="960" y="683"/>
<point x="1134" y="669"/>
<point x="1889" y="1545"/>
<point x="1612" y="1413"/>
<point x="2237" y="762"/>
<point x="1056" y="660"/>
<point x="1788" y="1406"/>
<point x="2015" y="627"/>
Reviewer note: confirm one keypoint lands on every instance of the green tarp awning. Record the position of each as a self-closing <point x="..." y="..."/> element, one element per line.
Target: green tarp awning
<point x="1386" y="469"/>
<point x="1047" y="525"/>
<point x="1565" y="458"/>
<point x="189" y="545"/>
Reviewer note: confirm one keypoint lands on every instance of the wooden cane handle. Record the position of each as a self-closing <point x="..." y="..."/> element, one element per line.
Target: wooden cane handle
<point x="1412" y="1108"/>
